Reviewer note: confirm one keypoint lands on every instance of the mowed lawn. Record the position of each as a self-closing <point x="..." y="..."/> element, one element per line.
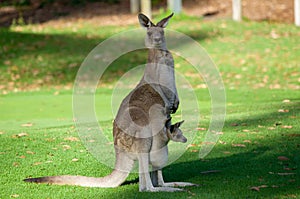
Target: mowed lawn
<point x="256" y="156"/>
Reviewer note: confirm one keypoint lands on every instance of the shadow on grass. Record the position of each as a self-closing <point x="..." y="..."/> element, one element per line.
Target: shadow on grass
<point x="54" y="59"/>
<point x="266" y="166"/>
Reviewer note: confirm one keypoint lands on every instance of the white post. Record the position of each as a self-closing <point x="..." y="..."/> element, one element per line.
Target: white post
<point x="146" y="8"/>
<point x="297" y="12"/>
<point x="237" y="10"/>
<point x="175" y="6"/>
<point x="134" y="6"/>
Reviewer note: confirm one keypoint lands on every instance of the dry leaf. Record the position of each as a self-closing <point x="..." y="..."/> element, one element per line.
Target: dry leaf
<point x="255" y="188"/>
<point x="247" y="141"/>
<point x="286" y="174"/>
<point x="30" y="152"/>
<point x="201" y="129"/>
<point x="222" y="142"/>
<point x="15" y="196"/>
<point x="37" y="163"/>
<point x="283" y="111"/>
<point x="286" y="127"/>
<point x="1" y="133"/>
<point x="283" y="158"/>
<point x="239" y="145"/>
<point x="289" y="169"/>
<point x="16" y="164"/>
<point x="246" y="130"/>
<point x="293" y="135"/>
<point x="191" y="145"/>
<point x="194" y="151"/>
<point x="72" y="139"/>
<point x="286" y="101"/>
<point x="26" y="125"/>
<point x="75" y="160"/>
<point x="66" y="147"/>
<point x="22" y="156"/>
<point x="20" y="135"/>
<point x="210" y="171"/>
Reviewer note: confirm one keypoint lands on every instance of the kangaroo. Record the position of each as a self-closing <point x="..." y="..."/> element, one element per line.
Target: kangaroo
<point x="159" y="153"/>
<point x="142" y="115"/>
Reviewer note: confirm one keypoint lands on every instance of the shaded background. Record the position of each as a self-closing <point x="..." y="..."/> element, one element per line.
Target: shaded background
<point x="38" y="11"/>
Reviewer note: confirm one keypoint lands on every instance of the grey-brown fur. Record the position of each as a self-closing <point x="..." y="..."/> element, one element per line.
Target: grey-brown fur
<point x="142" y="115"/>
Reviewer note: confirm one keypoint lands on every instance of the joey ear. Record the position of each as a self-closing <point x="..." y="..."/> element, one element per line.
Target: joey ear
<point x="178" y="124"/>
<point x="164" y="22"/>
<point x="145" y="21"/>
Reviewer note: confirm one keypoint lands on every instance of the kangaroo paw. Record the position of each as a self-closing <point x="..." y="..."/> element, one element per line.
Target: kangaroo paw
<point x="178" y="184"/>
<point x="163" y="189"/>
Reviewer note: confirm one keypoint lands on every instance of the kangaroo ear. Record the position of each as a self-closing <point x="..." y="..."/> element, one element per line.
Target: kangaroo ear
<point x="145" y="21"/>
<point x="178" y="124"/>
<point x="164" y="22"/>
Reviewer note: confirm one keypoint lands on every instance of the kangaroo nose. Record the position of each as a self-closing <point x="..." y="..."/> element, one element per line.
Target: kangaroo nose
<point x="156" y="39"/>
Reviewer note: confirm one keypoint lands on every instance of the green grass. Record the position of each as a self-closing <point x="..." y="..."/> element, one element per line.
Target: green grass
<point x="259" y="63"/>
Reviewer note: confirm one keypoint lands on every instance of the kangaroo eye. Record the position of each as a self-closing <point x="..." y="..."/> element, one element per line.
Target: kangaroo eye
<point x="149" y="33"/>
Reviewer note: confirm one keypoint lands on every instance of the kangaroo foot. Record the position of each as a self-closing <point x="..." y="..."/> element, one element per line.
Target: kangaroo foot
<point x="163" y="189"/>
<point x="178" y="184"/>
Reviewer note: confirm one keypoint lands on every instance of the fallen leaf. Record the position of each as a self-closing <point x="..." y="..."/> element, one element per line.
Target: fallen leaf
<point x="283" y="111"/>
<point x="15" y="196"/>
<point x="191" y="145"/>
<point x="289" y="169"/>
<point x="271" y="128"/>
<point x="22" y="156"/>
<point x="26" y="125"/>
<point x="222" y="142"/>
<point x="66" y="147"/>
<point x="286" y="127"/>
<point x="75" y="160"/>
<point x="201" y="129"/>
<point x="226" y="152"/>
<point x="246" y="130"/>
<point x="283" y="158"/>
<point x="234" y="124"/>
<point x="30" y="152"/>
<point x="72" y="139"/>
<point x="239" y="145"/>
<point x="20" y="135"/>
<point x="255" y="188"/>
<point x="293" y="135"/>
<point x="1" y="133"/>
<point x="37" y="163"/>
<point x="16" y="164"/>
<point x="247" y="141"/>
<point x="194" y="151"/>
<point x="286" y="101"/>
<point x="210" y="171"/>
<point x="286" y="174"/>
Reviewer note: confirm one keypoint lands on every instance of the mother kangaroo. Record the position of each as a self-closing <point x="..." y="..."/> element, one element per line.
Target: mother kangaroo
<point x="142" y="114"/>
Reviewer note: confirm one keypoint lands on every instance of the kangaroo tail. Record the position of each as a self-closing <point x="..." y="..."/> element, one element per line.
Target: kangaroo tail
<point x="116" y="178"/>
